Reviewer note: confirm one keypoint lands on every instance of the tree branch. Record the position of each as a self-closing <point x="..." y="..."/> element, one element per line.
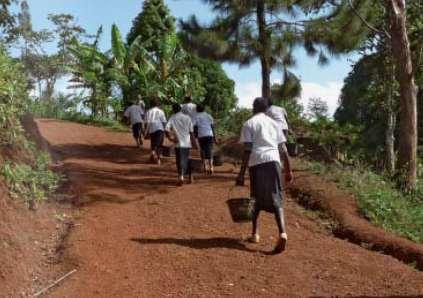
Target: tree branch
<point x="368" y="25"/>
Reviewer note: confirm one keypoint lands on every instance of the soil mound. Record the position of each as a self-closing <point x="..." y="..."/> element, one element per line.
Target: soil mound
<point x="28" y="239"/>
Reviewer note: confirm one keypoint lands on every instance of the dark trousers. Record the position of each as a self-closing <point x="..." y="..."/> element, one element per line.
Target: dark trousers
<point x="206" y="147"/>
<point x="182" y="161"/>
<point x="156" y="139"/>
<point x="137" y="130"/>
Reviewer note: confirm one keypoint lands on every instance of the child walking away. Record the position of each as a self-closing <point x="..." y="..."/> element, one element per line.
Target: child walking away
<point x="189" y="108"/>
<point x="264" y="143"/>
<point x="180" y="131"/>
<point x="156" y="121"/>
<point x="280" y="115"/>
<point x="135" y="114"/>
<point x="204" y="126"/>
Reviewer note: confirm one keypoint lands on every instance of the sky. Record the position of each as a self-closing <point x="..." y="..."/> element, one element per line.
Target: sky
<point x="324" y="82"/>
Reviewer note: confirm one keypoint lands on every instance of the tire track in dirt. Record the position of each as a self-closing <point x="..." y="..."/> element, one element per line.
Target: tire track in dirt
<point x="137" y="235"/>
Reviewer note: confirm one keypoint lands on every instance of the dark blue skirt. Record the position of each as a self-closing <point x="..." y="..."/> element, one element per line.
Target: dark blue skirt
<point x="266" y="186"/>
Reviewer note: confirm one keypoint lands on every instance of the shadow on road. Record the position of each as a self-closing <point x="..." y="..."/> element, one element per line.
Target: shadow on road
<point x="201" y="243"/>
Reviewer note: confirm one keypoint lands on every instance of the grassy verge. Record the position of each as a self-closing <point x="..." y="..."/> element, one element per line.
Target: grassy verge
<point x="31" y="182"/>
<point x="102" y="122"/>
<point x="378" y="199"/>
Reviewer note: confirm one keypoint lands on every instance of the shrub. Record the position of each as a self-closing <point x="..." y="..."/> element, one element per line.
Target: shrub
<point x="31" y="183"/>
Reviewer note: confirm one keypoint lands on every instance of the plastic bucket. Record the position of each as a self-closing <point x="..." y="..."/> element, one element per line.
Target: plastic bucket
<point x="241" y="209"/>
<point x="196" y="165"/>
<point x="218" y="160"/>
<point x="168" y="151"/>
<point x="292" y="149"/>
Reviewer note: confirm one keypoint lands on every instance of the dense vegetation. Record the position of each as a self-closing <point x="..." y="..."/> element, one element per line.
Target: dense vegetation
<point x="374" y="128"/>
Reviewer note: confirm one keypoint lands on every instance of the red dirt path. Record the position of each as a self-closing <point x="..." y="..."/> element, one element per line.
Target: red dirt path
<point x="137" y="235"/>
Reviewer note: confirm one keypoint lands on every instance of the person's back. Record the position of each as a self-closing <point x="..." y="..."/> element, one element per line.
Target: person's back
<point x="204" y="123"/>
<point x="134" y="113"/>
<point x="189" y="108"/>
<point x="265" y="136"/>
<point x="181" y="125"/>
<point x="279" y="115"/>
<point x="155" y="119"/>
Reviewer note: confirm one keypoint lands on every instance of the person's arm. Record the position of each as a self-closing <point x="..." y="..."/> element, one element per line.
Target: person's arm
<point x="240" y="180"/>
<point x="287" y="163"/>
<point x="147" y="125"/>
<point x="169" y="133"/>
<point x="214" y="135"/>
<point x="193" y="140"/>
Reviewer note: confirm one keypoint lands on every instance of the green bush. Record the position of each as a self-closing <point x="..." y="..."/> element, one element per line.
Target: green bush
<point x="31" y="183"/>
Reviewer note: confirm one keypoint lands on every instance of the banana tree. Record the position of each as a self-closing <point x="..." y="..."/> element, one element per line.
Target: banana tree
<point x="90" y="71"/>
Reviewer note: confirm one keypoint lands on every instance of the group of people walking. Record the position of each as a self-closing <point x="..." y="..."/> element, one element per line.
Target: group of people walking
<point x="263" y="137"/>
<point x="190" y="126"/>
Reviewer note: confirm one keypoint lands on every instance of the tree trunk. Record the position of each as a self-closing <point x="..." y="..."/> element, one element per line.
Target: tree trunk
<point x="407" y="150"/>
<point x="391" y="122"/>
<point x="264" y="50"/>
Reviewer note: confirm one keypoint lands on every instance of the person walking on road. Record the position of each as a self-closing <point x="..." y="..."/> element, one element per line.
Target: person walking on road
<point x="264" y="145"/>
<point x="180" y="131"/>
<point x="189" y="108"/>
<point x="156" y="122"/>
<point x="204" y="127"/>
<point x="280" y="115"/>
<point x="135" y="114"/>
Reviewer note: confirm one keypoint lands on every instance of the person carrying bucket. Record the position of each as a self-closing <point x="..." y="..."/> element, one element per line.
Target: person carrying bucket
<point x="135" y="114"/>
<point x="204" y="126"/>
<point x="264" y="145"/>
<point x="180" y="131"/>
<point x="156" y="121"/>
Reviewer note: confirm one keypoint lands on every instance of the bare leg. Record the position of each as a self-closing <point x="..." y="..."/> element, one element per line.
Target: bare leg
<point x="280" y="221"/>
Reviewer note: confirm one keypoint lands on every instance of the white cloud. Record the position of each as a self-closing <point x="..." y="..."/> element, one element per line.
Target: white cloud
<point x="246" y="92"/>
<point x="329" y="92"/>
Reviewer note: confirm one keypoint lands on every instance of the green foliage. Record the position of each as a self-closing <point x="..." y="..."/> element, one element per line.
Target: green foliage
<point x="231" y="124"/>
<point x="379" y="199"/>
<point x="90" y="70"/>
<point x="219" y="89"/>
<point x="152" y="24"/>
<point x="13" y="99"/>
<point x="31" y="183"/>
<point x="317" y="108"/>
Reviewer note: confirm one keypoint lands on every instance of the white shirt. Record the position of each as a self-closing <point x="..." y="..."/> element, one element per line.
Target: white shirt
<point x="134" y="113"/>
<point x="181" y="125"/>
<point x="190" y="109"/>
<point x="265" y="136"/>
<point x="155" y="118"/>
<point x="279" y="115"/>
<point x="204" y="123"/>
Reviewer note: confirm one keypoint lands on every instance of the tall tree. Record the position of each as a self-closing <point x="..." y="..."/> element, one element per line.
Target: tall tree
<point x="219" y="89"/>
<point x="153" y="23"/>
<point x="245" y="31"/>
<point x="7" y="19"/>
<point x="387" y="28"/>
<point x="407" y="156"/>
<point x="66" y="30"/>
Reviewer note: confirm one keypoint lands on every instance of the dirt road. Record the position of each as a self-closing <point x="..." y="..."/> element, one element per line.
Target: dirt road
<point x="138" y="235"/>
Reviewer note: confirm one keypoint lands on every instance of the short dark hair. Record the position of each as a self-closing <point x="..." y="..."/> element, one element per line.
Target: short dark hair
<point x="188" y="98"/>
<point x="260" y="105"/>
<point x="155" y="102"/>
<point x="200" y="108"/>
<point x="176" y="108"/>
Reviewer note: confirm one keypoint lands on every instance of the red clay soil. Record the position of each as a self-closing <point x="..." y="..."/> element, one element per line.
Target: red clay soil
<point x="28" y="242"/>
<point x="316" y="193"/>
<point x="138" y="235"/>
